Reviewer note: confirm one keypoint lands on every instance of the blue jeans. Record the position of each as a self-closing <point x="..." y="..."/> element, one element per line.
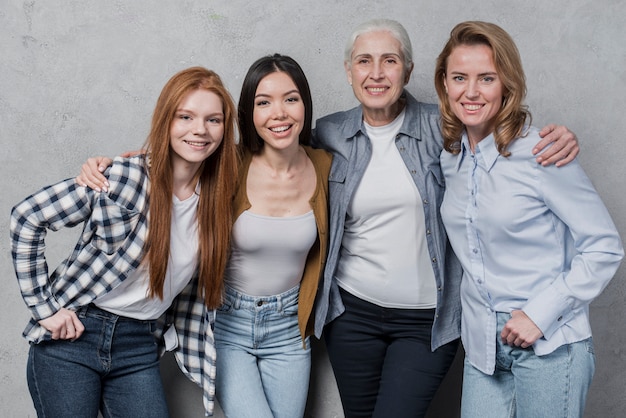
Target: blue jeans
<point x="525" y="385"/>
<point x="113" y="367"/>
<point x="262" y="367"/>
<point x="382" y="359"/>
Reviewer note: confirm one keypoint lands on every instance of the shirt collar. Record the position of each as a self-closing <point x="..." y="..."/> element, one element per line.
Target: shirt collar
<point x="485" y="148"/>
<point x="353" y="125"/>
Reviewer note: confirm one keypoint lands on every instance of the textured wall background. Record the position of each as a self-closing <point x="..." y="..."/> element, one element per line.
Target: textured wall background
<point x="80" y="78"/>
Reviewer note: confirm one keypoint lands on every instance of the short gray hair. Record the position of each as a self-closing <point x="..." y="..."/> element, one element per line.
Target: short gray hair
<point x="382" y="25"/>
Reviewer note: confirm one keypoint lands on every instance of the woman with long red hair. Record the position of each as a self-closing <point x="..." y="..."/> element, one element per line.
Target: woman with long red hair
<point x="154" y="244"/>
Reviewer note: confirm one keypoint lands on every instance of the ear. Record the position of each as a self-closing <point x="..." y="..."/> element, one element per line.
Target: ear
<point x="445" y="83"/>
<point x="407" y="76"/>
<point x="347" y="67"/>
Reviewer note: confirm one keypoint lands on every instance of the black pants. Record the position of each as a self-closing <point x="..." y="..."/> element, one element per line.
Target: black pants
<point x="382" y="359"/>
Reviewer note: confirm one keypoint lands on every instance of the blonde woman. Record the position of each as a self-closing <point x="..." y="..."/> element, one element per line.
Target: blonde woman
<point x="537" y="244"/>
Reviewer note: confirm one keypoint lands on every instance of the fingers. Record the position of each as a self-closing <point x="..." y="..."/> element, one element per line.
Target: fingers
<point x="564" y="146"/>
<point x="525" y="344"/>
<point x="75" y="328"/>
<point x="103" y="163"/>
<point x="520" y="330"/>
<point x="508" y="336"/>
<point x="129" y="154"/>
<point x="91" y="173"/>
<point x="513" y="339"/>
<point x="547" y="130"/>
<point x="561" y="157"/>
<point x="63" y="325"/>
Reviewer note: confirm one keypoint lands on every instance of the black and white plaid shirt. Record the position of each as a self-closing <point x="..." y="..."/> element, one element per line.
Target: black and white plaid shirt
<point x="109" y="248"/>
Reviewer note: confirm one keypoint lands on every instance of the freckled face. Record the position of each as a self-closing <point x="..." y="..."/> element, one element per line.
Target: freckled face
<point x="474" y="89"/>
<point x="198" y="128"/>
<point x="377" y="74"/>
<point x="278" y="111"/>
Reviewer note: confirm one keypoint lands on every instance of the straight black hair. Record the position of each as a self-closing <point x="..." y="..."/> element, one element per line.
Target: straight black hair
<point x="250" y="139"/>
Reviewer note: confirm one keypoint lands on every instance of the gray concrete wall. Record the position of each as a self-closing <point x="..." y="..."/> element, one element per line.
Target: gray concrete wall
<point x="80" y="78"/>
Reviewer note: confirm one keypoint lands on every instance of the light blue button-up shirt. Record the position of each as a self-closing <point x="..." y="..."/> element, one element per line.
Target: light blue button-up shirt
<point x="528" y="237"/>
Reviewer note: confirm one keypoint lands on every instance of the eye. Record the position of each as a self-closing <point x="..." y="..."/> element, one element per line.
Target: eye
<point x="261" y="103"/>
<point x="458" y="78"/>
<point x="216" y="121"/>
<point x="489" y="79"/>
<point x="184" y="117"/>
<point x="391" y="60"/>
<point x="293" y="99"/>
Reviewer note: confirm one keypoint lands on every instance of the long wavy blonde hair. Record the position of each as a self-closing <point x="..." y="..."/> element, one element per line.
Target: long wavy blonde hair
<point x="513" y="115"/>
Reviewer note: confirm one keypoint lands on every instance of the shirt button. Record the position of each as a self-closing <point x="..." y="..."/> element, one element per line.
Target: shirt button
<point x="559" y="318"/>
<point x="428" y="232"/>
<point x="475" y="251"/>
<point x="434" y="259"/>
<point x="425" y="201"/>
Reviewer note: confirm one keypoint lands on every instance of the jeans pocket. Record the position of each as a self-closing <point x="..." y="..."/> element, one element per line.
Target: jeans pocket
<point x="289" y="310"/>
<point x="225" y="307"/>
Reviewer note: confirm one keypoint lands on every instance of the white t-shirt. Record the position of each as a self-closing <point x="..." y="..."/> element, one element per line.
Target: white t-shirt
<point x="384" y="254"/>
<point x="131" y="299"/>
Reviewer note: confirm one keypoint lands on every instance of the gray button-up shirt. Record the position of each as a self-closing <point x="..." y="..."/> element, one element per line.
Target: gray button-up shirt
<point x="420" y="144"/>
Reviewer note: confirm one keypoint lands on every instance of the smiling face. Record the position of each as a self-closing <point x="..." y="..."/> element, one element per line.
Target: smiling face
<point x="197" y="129"/>
<point x="278" y="111"/>
<point x="474" y="89"/>
<point x="378" y="76"/>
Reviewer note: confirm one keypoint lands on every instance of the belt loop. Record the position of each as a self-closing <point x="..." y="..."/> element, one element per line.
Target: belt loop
<point x="237" y="301"/>
<point x="82" y="311"/>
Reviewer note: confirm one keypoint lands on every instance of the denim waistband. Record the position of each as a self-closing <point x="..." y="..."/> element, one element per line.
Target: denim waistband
<point x="93" y="310"/>
<point x="241" y="300"/>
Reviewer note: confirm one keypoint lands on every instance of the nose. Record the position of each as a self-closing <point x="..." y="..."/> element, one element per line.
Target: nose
<point x="472" y="90"/>
<point x="279" y="111"/>
<point x="199" y="127"/>
<point x="377" y="71"/>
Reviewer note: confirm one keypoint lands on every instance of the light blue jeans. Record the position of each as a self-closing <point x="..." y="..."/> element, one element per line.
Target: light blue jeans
<point x="262" y="366"/>
<point x="525" y="385"/>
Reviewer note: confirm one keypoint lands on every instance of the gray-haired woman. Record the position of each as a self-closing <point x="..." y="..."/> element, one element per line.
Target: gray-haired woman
<point x="390" y="295"/>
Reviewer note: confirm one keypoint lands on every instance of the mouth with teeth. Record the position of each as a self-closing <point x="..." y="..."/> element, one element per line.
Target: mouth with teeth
<point x="197" y="144"/>
<point x="280" y="129"/>
<point x="472" y="107"/>
<point x="376" y="90"/>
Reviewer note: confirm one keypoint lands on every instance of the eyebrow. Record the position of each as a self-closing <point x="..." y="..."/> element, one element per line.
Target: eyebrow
<point x="286" y="94"/>
<point x="184" y="110"/>
<point x="384" y="54"/>
<point x="480" y="74"/>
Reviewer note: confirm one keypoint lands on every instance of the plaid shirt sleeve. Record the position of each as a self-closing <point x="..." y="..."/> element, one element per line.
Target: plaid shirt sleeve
<point x="110" y="246"/>
<point x="63" y="204"/>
